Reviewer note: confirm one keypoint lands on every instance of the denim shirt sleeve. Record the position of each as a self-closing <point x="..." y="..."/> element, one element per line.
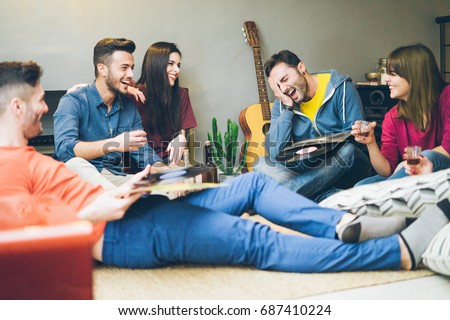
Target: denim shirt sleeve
<point x="66" y="127"/>
<point x="146" y="154"/>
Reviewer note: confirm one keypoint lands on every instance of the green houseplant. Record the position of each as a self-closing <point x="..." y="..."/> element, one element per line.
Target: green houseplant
<point x="224" y="151"/>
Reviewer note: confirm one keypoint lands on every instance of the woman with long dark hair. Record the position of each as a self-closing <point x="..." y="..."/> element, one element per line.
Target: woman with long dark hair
<point x="167" y="110"/>
<point x="421" y="117"/>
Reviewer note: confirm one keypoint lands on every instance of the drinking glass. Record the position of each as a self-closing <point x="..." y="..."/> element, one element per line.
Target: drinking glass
<point x="412" y="155"/>
<point x="364" y="128"/>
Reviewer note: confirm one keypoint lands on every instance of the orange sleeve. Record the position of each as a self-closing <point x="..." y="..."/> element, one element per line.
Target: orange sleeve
<point x="54" y="180"/>
<point x="55" y="193"/>
<point x="18" y="208"/>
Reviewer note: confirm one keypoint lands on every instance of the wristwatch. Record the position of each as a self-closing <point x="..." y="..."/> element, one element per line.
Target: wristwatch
<point x="288" y="108"/>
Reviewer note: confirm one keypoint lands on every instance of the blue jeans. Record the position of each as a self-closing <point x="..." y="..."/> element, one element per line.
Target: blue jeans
<point x="205" y="227"/>
<point x="321" y="178"/>
<point x="440" y="162"/>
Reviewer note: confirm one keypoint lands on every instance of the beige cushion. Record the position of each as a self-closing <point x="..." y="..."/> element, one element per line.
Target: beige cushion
<point x="437" y="255"/>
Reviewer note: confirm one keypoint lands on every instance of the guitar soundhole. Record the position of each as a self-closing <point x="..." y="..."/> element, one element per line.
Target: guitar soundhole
<point x="265" y="128"/>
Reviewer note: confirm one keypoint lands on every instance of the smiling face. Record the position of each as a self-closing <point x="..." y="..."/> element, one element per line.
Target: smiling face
<point x="173" y="67"/>
<point x="119" y="73"/>
<point x="34" y="108"/>
<point x="398" y="86"/>
<point x="290" y="81"/>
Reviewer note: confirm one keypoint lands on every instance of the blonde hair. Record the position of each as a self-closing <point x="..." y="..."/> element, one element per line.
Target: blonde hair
<point x="417" y="65"/>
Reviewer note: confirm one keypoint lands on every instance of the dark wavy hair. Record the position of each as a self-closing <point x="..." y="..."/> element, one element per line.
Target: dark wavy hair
<point x="163" y="101"/>
<point x="286" y="56"/>
<point x="417" y="65"/>
<point x="106" y="47"/>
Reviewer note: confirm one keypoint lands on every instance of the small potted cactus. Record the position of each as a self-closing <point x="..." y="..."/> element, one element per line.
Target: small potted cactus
<point x="225" y="151"/>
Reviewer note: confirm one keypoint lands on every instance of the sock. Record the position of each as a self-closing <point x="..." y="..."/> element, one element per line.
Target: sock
<point x="364" y="228"/>
<point x="418" y="236"/>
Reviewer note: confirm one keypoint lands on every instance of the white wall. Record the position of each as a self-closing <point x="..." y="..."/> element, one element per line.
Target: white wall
<point x="217" y="66"/>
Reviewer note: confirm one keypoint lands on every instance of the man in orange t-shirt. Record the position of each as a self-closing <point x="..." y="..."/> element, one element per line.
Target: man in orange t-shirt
<point x="37" y="189"/>
<point x="147" y="231"/>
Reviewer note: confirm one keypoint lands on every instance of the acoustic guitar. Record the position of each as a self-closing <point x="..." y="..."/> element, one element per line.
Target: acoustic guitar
<point x="255" y="119"/>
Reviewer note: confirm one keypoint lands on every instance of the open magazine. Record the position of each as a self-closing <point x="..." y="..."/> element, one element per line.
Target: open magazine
<point x="176" y="179"/>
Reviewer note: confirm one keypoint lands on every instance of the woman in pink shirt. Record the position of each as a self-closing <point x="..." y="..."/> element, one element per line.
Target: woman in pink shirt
<point x="421" y="117"/>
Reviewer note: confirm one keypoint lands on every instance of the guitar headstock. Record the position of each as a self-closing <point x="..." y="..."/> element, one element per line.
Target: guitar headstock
<point x="251" y="34"/>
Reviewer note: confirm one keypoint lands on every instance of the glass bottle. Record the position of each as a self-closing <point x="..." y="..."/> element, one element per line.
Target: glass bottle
<point x="381" y="69"/>
<point x="187" y="164"/>
<point x="186" y="157"/>
<point x="212" y="175"/>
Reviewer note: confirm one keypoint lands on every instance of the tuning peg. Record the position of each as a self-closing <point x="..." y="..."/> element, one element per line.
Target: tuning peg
<point x="242" y="29"/>
<point x="246" y="40"/>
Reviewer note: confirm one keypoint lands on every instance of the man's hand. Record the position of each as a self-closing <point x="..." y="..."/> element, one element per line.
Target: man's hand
<point x="113" y="203"/>
<point x="285" y="99"/>
<point x="176" y="148"/>
<point x="128" y="141"/>
<point x="139" y="176"/>
<point x="136" y="93"/>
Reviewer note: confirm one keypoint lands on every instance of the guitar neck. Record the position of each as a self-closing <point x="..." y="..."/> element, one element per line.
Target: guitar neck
<point x="261" y="80"/>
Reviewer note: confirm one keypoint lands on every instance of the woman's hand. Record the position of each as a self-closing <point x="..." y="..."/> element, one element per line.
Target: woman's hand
<point x="176" y="148"/>
<point x="356" y="129"/>
<point x="158" y="166"/>
<point x="425" y="166"/>
<point x="75" y="87"/>
<point x="136" y="93"/>
<point x="400" y="166"/>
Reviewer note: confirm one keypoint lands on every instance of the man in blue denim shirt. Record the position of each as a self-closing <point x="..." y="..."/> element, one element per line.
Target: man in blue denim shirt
<point x="95" y="124"/>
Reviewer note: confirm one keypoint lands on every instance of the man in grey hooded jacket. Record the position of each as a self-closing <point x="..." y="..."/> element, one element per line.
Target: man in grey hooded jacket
<point x="309" y="106"/>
